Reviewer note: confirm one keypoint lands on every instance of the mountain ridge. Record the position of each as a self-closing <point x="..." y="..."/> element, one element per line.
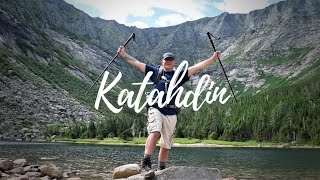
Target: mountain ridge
<point x="50" y="46"/>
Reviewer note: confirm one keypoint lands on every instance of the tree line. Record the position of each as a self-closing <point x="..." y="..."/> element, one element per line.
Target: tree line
<point x="285" y="114"/>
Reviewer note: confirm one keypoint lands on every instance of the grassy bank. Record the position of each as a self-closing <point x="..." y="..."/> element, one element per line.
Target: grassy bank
<point x="185" y="142"/>
<point x="115" y="140"/>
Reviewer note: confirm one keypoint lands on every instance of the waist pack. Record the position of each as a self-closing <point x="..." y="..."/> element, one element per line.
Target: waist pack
<point x="174" y="107"/>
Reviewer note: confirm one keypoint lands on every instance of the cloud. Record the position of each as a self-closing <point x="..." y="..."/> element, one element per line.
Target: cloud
<point x="170" y="19"/>
<point x="241" y="6"/>
<point x="117" y="10"/>
<point x="120" y="10"/>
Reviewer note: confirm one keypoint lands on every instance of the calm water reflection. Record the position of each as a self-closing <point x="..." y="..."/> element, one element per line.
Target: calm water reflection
<point x="98" y="161"/>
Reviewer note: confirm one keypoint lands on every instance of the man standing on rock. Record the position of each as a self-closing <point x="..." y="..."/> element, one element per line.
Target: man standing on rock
<point x="162" y="121"/>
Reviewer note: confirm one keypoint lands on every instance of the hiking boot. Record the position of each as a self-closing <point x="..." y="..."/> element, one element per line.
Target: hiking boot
<point x="161" y="168"/>
<point x="146" y="170"/>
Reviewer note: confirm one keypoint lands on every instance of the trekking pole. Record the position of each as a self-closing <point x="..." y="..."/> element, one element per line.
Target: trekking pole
<point x="214" y="49"/>
<point x="131" y="37"/>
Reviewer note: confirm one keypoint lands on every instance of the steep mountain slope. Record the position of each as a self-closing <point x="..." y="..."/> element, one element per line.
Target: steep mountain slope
<point x="51" y="53"/>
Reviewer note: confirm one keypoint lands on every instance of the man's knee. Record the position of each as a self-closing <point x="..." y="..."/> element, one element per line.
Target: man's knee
<point x="155" y="135"/>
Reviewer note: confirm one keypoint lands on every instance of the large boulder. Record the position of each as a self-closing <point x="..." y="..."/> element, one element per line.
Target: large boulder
<point x="51" y="170"/>
<point x="126" y="171"/>
<point x="6" y="165"/>
<point x="183" y="172"/>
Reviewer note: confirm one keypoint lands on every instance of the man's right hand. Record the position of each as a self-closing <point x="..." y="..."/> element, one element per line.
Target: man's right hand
<point x="121" y="51"/>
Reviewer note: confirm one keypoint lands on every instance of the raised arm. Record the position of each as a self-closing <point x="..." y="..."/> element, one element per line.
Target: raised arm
<point x="131" y="60"/>
<point x="203" y="64"/>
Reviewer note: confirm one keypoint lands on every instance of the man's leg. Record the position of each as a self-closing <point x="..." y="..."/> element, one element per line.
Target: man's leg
<point x="154" y="128"/>
<point x="148" y="152"/>
<point x="166" y="140"/>
<point x="163" y="157"/>
<point x="151" y="142"/>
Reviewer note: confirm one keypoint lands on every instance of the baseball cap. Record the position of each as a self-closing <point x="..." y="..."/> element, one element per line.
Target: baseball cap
<point x="168" y="55"/>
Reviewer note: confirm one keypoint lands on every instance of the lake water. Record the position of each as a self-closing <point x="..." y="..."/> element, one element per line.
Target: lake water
<point x="98" y="161"/>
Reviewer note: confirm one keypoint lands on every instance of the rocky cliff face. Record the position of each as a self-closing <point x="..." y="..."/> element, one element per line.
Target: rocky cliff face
<point x="51" y="52"/>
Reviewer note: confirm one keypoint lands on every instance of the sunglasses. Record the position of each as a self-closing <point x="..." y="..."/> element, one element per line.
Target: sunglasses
<point x="169" y="59"/>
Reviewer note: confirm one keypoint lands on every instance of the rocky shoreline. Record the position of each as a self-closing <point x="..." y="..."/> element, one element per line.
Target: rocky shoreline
<point x="21" y="169"/>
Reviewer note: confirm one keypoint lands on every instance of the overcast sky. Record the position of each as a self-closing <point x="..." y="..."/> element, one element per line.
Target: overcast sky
<point x="162" y="13"/>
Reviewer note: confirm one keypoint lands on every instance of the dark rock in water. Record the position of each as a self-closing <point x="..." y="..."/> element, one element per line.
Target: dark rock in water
<point x="6" y="165"/>
<point x="183" y="172"/>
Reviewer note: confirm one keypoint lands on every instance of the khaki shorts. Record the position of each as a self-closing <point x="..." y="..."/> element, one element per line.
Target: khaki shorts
<point x="165" y="124"/>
